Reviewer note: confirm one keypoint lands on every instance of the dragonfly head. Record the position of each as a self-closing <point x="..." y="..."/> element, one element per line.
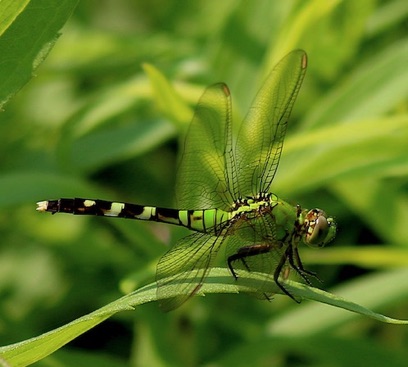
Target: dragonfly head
<point x="320" y="229"/>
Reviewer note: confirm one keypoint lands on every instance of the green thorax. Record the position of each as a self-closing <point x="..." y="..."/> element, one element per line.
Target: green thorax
<point x="264" y="214"/>
<point x="264" y="218"/>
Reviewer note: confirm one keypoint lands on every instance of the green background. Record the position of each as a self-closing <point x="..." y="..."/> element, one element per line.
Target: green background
<point x="98" y="120"/>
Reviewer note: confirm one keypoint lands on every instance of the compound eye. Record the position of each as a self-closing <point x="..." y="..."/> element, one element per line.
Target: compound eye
<point x="319" y="230"/>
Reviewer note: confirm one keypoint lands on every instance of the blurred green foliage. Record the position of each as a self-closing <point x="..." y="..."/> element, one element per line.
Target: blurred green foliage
<point x="91" y="124"/>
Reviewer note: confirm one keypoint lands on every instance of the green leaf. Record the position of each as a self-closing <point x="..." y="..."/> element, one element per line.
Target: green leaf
<point x="295" y="29"/>
<point x="173" y="106"/>
<point x="362" y="193"/>
<point x="219" y="281"/>
<point x="342" y="151"/>
<point x="374" y="290"/>
<point x="28" y="31"/>
<point x="9" y="11"/>
<point x="89" y="152"/>
<point x="369" y="257"/>
<point x="41" y="185"/>
<point x="317" y="350"/>
<point x="373" y="88"/>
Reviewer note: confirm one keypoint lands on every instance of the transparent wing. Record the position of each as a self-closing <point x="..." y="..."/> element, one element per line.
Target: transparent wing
<point x="264" y="263"/>
<point x="205" y="170"/>
<point x="185" y="266"/>
<point x="260" y="139"/>
<point x="252" y="247"/>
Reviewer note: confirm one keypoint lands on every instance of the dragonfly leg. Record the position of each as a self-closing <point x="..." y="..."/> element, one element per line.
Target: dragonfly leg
<point x="278" y="271"/>
<point x="295" y="263"/>
<point x="295" y="258"/>
<point x="245" y="252"/>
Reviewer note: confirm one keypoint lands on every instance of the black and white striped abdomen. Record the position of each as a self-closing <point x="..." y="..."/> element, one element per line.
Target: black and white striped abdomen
<point x="206" y="220"/>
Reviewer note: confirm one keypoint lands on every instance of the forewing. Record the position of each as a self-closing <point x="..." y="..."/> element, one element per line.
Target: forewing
<point x="185" y="266"/>
<point x="204" y="173"/>
<point x="260" y="139"/>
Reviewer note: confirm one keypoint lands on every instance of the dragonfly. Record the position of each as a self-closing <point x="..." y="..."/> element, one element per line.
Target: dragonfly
<point x="223" y="188"/>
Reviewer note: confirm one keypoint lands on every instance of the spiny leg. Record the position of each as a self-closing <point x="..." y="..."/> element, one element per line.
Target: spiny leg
<point x="278" y="270"/>
<point x="296" y="263"/>
<point x="245" y="252"/>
